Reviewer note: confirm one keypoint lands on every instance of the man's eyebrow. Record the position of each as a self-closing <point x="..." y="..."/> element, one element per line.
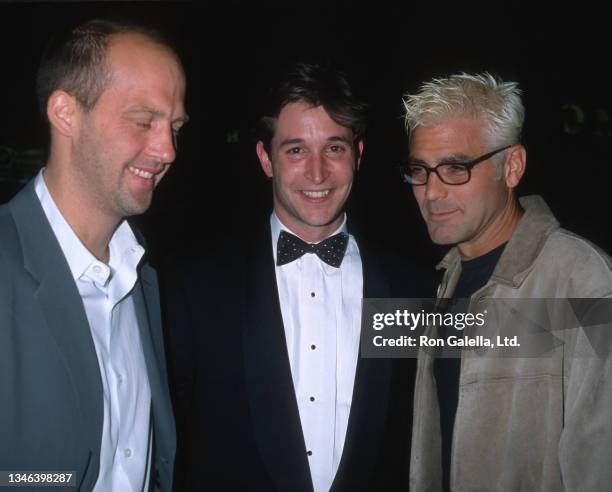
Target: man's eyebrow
<point x="458" y="158"/>
<point x="181" y="119"/>
<point x="143" y="109"/>
<point x="156" y="113"/>
<point x="339" y="138"/>
<point x="291" y="141"/>
<point x="333" y="138"/>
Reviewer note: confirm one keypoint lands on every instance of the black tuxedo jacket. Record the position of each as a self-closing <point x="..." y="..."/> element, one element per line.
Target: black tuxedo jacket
<point x="237" y="416"/>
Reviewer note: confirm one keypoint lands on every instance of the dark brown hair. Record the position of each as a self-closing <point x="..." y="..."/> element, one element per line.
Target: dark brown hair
<point x="317" y="85"/>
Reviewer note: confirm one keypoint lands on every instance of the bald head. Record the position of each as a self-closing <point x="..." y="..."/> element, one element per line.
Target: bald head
<point x="76" y="61"/>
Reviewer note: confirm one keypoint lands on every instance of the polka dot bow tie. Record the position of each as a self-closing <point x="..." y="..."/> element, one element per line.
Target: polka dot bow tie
<point x="330" y="250"/>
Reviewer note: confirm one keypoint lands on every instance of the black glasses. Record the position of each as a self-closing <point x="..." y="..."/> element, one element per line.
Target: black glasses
<point x="451" y="173"/>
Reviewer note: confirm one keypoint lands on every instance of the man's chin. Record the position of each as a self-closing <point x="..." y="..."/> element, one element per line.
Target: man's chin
<point x="322" y="221"/>
<point x="134" y="207"/>
<point x="442" y="239"/>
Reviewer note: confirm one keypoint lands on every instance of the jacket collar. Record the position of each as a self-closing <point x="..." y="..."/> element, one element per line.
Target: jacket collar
<point x="268" y="374"/>
<point x="38" y="243"/>
<point x="524" y="246"/>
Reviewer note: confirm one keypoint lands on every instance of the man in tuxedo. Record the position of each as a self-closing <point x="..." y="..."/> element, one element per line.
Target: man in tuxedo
<point x="271" y="394"/>
<point x="82" y="366"/>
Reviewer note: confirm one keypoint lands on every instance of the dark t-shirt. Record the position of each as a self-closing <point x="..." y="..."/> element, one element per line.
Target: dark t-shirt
<point x="475" y="274"/>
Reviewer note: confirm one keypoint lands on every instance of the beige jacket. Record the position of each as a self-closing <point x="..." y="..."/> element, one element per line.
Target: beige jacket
<point x="526" y="423"/>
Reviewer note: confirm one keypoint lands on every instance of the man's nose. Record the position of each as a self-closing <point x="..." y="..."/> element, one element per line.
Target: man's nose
<point x="435" y="188"/>
<point x="162" y="146"/>
<point x="316" y="169"/>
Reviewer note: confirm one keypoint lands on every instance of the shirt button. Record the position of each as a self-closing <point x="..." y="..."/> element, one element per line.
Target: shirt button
<point x="312" y="398"/>
<point x="312" y="347"/>
<point x="96" y="269"/>
<point x="309" y="453"/>
<point x="312" y="294"/>
<point x="128" y="452"/>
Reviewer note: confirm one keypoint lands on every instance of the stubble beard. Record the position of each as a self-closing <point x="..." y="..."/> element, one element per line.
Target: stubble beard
<point x="106" y="191"/>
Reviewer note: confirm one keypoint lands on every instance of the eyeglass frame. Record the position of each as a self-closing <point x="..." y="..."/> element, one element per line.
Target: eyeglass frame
<point x="468" y="167"/>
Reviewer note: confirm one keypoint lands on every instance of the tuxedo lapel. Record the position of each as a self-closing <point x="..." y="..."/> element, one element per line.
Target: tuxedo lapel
<point x="63" y="311"/>
<point x="367" y="418"/>
<point x="276" y="421"/>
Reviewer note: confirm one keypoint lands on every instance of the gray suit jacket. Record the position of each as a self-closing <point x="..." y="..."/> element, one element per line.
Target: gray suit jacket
<point x="50" y="386"/>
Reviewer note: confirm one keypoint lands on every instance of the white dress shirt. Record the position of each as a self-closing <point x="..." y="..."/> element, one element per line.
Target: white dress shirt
<point x="321" y="309"/>
<point x="105" y="291"/>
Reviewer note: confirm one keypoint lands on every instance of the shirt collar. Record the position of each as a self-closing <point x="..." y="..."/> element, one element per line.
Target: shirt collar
<point x="277" y="226"/>
<point x="123" y="246"/>
<point x="524" y="246"/>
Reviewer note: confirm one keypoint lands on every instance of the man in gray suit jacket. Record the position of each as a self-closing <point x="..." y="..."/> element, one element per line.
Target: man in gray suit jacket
<point x="83" y="379"/>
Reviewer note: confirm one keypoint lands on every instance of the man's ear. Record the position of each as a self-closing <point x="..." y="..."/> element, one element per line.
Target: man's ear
<point x="514" y="166"/>
<point x="63" y="112"/>
<point x="264" y="159"/>
<point x="359" y="145"/>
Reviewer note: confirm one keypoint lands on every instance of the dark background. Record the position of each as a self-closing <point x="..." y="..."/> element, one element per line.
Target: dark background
<point x="230" y="51"/>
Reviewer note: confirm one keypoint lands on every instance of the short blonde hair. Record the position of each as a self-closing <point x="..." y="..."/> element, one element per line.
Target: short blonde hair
<point x="480" y="95"/>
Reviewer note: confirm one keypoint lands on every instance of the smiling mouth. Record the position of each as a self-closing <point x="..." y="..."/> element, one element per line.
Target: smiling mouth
<point x="316" y="194"/>
<point x="141" y="173"/>
<point x="148" y="175"/>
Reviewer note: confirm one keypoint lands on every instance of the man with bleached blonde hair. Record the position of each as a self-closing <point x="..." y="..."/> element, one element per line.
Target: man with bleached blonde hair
<point x="514" y="423"/>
